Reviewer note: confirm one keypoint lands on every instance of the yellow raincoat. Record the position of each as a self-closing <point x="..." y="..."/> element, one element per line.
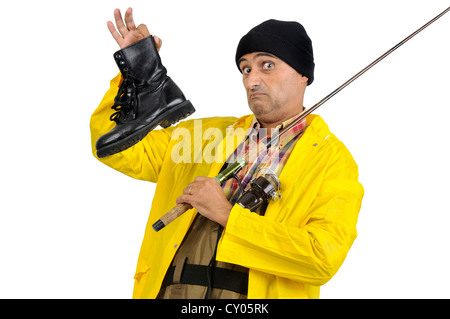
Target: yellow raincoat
<point x="295" y="248"/>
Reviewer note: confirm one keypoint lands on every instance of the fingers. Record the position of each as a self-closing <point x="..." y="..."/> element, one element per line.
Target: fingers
<point x="158" y="42"/>
<point x="129" y="21"/>
<point x="119" y="23"/>
<point x="131" y="26"/>
<point x="142" y="28"/>
<point x="200" y="184"/>
<point x="114" y="33"/>
<point x="183" y="199"/>
<point x="187" y="196"/>
<point x="127" y="33"/>
<point x="188" y="190"/>
<point x="205" y="181"/>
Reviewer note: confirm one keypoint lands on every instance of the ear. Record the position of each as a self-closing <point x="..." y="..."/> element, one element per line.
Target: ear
<point x="302" y="80"/>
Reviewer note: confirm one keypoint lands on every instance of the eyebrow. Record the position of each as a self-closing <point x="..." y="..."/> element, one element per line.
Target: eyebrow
<point x="257" y="56"/>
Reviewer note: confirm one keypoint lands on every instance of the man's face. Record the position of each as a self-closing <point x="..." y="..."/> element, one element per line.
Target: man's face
<point x="274" y="89"/>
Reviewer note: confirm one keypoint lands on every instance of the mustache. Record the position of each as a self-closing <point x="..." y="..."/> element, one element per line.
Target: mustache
<point x="257" y="90"/>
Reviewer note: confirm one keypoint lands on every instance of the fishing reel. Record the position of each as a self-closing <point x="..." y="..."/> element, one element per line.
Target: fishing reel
<point x="263" y="188"/>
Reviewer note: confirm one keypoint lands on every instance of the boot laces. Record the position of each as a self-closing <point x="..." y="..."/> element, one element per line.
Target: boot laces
<point x="125" y="102"/>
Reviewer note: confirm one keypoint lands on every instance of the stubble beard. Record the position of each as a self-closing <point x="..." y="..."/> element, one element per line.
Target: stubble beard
<point x="262" y="106"/>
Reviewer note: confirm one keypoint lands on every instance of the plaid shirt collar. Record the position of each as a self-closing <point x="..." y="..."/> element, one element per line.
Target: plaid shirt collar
<point x="286" y="137"/>
<point x="272" y="161"/>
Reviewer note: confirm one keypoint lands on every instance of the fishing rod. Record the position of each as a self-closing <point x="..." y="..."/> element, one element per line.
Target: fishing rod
<point x="357" y="75"/>
<point x="179" y="209"/>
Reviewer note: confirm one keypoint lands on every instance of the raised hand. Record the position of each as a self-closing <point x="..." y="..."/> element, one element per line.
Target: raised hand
<point x="128" y="33"/>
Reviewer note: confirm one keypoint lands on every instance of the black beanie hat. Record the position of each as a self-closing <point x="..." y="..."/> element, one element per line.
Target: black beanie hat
<point x="286" y="40"/>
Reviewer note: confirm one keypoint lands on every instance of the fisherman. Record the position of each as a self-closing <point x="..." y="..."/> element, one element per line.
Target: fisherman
<point x="219" y="249"/>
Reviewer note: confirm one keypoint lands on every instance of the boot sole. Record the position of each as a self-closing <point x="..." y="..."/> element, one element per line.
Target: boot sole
<point x="166" y="119"/>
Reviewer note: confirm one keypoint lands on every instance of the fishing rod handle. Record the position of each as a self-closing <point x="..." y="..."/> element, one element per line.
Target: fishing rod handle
<point x="179" y="209"/>
<point x="171" y="215"/>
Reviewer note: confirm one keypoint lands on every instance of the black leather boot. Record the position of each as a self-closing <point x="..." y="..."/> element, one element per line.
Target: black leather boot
<point x="147" y="98"/>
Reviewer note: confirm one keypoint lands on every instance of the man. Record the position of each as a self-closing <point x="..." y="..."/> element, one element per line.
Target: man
<point x="220" y="249"/>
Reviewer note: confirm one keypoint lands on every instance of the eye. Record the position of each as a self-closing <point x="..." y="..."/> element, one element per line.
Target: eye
<point x="267" y="65"/>
<point x="246" y="70"/>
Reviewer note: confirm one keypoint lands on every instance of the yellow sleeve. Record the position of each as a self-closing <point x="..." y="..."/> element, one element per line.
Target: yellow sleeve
<point x="141" y="161"/>
<point x="311" y="253"/>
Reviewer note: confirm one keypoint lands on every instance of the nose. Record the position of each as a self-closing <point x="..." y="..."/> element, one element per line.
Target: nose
<point x="252" y="80"/>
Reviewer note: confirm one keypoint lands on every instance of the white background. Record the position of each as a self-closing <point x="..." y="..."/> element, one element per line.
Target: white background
<point x="70" y="227"/>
